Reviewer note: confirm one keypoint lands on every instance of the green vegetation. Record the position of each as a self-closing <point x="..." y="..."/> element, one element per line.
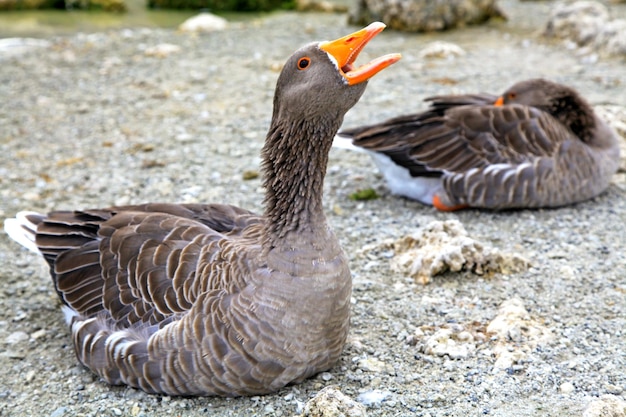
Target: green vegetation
<point x="106" y="5"/>
<point x="366" y="194"/>
<point x="224" y="5"/>
<point x="123" y="5"/>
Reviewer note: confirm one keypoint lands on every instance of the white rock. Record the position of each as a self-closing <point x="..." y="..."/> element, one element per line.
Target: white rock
<point x="441" y="49"/>
<point x="16" y="337"/>
<point x="445" y="342"/>
<point x="606" y="406"/>
<point x="445" y="245"/>
<point x="517" y="334"/>
<point x="612" y="37"/>
<point x="332" y="402"/>
<point x="580" y="21"/>
<point x="373" y="397"/>
<point x="588" y="24"/>
<point x="17" y="46"/>
<point x="162" y="50"/>
<point x="373" y="365"/>
<point x="567" y="388"/>
<point x="204" y="22"/>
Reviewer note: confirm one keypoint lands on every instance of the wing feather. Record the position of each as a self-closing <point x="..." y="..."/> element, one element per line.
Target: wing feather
<point x="143" y="263"/>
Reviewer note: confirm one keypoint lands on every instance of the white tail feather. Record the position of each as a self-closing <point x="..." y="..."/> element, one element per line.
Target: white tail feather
<point x="21" y="230"/>
<point x="69" y="313"/>
<point x="343" y="142"/>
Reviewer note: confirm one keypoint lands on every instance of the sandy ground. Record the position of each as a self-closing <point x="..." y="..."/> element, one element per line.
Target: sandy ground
<point x="92" y="120"/>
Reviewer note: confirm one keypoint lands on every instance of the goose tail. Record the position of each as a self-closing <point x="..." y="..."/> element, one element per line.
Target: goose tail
<point x="23" y="229"/>
<point x="345" y="142"/>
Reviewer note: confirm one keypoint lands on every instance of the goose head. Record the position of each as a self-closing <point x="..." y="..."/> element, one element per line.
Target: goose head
<point x="320" y="80"/>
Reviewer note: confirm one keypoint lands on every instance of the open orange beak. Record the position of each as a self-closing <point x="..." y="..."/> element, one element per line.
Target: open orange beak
<point x="345" y="51"/>
<point x="499" y="102"/>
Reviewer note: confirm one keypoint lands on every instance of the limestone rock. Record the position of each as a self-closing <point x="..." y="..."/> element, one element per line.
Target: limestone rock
<point x="320" y="6"/>
<point x="330" y="402"/>
<point x="425" y="15"/>
<point x="580" y="21"/>
<point x="517" y="334"/>
<point x="204" y="22"/>
<point x="441" y="49"/>
<point x="588" y="24"/>
<point x="446" y="246"/>
<point x="606" y="406"/>
<point x="162" y="50"/>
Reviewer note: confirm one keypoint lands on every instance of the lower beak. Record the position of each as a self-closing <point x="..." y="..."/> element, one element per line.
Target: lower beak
<point x="345" y="50"/>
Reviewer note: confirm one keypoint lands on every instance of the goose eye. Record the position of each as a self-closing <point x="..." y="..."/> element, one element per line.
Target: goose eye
<point x="303" y="63"/>
<point x="512" y="96"/>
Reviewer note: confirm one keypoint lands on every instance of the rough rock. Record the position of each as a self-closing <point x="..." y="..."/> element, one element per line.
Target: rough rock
<point x="444" y="246"/>
<point x="441" y="49"/>
<point x="454" y="343"/>
<point x="320" y="6"/>
<point x="330" y="402"/>
<point x="425" y="15"/>
<point x="516" y="333"/>
<point x="606" y="406"/>
<point x="612" y="37"/>
<point x="162" y="50"/>
<point x="204" y="22"/>
<point x="587" y="24"/>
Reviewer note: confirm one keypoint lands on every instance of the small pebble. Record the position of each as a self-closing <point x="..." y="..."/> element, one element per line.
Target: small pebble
<point x="59" y="412"/>
<point x="567" y="388"/>
<point x="326" y="376"/>
<point x="16" y="337"/>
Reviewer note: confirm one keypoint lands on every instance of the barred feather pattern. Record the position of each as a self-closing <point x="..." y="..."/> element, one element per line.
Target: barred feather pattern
<point x="544" y="148"/>
<point x="190" y="299"/>
<point x="175" y="299"/>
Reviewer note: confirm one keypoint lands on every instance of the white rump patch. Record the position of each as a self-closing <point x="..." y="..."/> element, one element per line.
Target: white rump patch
<point x="69" y="313"/>
<point x="22" y="231"/>
<point x="400" y="181"/>
<point x="344" y="142"/>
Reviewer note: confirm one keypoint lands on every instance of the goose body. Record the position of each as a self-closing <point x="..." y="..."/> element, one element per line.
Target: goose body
<point x="538" y="145"/>
<point x="214" y="299"/>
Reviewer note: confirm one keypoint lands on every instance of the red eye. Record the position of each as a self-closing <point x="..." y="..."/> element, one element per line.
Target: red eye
<point x="303" y="63"/>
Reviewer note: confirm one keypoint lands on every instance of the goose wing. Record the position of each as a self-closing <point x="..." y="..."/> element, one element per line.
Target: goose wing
<point x="144" y="263"/>
<point x="395" y="137"/>
<point x="470" y="137"/>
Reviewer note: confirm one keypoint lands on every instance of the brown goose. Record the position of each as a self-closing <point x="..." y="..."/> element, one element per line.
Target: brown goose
<point x="214" y="299"/>
<point x="538" y="145"/>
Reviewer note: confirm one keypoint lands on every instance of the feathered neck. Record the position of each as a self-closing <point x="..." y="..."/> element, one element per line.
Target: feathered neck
<point x="575" y="112"/>
<point x="295" y="156"/>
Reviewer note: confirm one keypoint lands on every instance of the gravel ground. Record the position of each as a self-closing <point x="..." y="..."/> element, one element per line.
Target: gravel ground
<point x="92" y="120"/>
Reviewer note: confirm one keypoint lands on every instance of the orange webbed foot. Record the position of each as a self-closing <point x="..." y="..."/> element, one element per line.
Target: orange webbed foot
<point x="442" y="207"/>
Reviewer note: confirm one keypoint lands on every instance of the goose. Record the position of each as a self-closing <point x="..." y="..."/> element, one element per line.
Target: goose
<point x="193" y="299"/>
<point x="539" y="144"/>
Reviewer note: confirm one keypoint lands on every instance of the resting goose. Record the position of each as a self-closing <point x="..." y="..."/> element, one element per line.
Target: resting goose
<point x="538" y="145"/>
<point x="213" y="299"/>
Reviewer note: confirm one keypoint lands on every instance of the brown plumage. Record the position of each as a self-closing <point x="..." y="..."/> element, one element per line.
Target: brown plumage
<point x="539" y="145"/>
<point x="214" y="299"/>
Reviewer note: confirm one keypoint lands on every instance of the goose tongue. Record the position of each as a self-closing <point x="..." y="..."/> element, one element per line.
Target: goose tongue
<point x="345" y="50"/>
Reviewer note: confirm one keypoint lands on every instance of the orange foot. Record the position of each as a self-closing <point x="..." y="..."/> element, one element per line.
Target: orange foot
<point x="442" y="207"/>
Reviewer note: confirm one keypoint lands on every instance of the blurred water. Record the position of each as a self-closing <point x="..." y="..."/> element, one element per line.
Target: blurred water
<point x="43" y="23"/>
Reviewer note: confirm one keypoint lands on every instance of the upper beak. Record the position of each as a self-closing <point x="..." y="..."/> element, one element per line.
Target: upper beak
<point x="499" y="102"/>
<point x="345" y="51"/>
